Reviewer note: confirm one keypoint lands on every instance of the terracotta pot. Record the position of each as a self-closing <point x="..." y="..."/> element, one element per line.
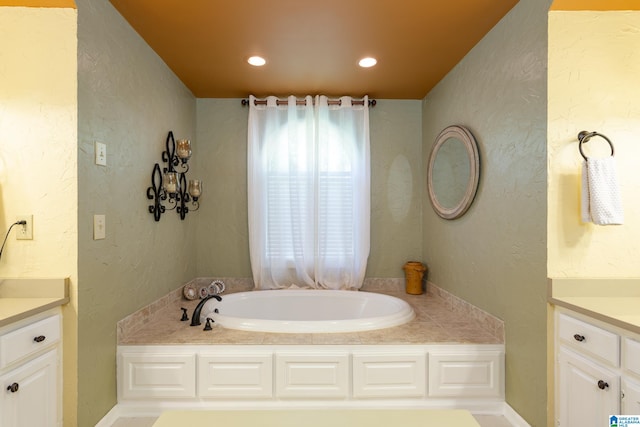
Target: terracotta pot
<point x="414" y="271"/>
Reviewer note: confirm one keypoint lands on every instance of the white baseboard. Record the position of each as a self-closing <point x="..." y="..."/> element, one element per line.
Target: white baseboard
<point x="513" y="417"/>
<point x="110" y="418"/>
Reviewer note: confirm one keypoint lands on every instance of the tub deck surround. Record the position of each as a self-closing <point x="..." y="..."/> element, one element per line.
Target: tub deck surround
<point x="22" y="298"/>
<point x="440" y="318"/>
<point x="450" y="356"/>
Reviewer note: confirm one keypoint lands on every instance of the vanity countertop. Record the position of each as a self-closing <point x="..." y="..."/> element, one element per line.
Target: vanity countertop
<point x="22" y="298"/>
<point x="614" y="301"/>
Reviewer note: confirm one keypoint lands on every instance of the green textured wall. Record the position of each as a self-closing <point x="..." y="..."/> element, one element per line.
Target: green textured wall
<point x="129" y="100"/>
<point x="396" y="187"/>
<point x="495" y="256"/>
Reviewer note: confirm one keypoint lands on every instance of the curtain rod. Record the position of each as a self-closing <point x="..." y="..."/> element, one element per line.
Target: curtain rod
<point x="245" y="102"/>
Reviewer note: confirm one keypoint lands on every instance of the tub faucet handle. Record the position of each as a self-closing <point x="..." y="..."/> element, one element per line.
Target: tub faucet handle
<point x="184" y="317"/>
<point x="207" y="326"/>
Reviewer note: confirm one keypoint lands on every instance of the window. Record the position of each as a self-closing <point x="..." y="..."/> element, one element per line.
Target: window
<point x="292" y="204"/>
<point x="308" y="195"/>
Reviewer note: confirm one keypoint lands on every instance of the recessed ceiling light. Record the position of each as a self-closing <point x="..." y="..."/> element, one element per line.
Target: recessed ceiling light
<point x="257" y="61"/>
<point x="367" y="62"/>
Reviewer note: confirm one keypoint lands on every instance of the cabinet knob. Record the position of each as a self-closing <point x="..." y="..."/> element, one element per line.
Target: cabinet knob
<point x="39" y="338"/>
<point x="13" y="387"/>
<point x="578" y="337"/>
<point x="602" y="385"/>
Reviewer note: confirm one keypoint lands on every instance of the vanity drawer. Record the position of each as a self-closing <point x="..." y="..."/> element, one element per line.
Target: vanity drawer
<point x="29" y="339"/>
<point x="590" y="339"/>
<point x="631" y="356"/>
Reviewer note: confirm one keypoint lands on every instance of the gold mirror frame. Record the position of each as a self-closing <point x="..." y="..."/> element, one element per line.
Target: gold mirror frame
<point x="466" y="137"/>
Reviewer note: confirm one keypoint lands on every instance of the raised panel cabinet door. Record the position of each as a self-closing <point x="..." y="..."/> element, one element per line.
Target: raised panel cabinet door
<point x="630" y="397"/>
<point x="304" y="376"/>
<point x="28" y="396"/>
<point x="587" y="392"/>
<point x="478" y="374"/>
<point x="235" y="376"/>
<point x="157" y="376"/>
<point x="384" y="375"/>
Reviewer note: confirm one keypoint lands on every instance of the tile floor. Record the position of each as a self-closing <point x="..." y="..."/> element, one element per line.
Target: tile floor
<point x="483" y="420"/>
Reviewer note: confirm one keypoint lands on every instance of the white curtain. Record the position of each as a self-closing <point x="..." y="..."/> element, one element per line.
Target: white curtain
<point x="309" y="193"/>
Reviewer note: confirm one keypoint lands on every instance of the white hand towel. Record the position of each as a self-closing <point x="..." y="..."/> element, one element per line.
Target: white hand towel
<point x="584" y="195"/>
<point x="601" y="202"/>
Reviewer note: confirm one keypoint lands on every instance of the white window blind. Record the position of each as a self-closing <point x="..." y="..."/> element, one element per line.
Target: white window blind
<point x="286" y="214"/>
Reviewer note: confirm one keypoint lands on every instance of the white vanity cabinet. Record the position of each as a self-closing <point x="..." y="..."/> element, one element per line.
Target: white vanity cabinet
<point x="589" y="392"/>
<point x="30" y="372"/>
<point x="630" y="397"/>
<point x="597" y="370"/>
<point x="631" y="376"/>
<point x="29" y="395"/>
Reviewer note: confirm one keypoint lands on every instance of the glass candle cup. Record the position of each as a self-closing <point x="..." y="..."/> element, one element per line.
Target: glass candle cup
<point x="183" y="149"/>
<point x="170" y="182"/>
<point x="195" y="188"/>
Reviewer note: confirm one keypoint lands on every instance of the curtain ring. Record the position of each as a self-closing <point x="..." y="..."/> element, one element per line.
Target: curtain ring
<point x="585" y="136"/>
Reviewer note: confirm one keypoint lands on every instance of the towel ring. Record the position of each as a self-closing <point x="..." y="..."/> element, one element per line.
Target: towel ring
<point x="585" y="136"/>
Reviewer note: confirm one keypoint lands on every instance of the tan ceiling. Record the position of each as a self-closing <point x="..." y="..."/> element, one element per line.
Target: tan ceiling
<point x="312" y="47"/>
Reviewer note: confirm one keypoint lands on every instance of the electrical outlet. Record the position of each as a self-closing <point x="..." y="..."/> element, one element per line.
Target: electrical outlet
<point x="99" y="227"/>
<point x="101" y="153"/>
<point x="24" y="232"/>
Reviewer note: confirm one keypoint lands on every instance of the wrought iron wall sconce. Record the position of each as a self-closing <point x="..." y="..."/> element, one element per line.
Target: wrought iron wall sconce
<point x="170" y="185"/>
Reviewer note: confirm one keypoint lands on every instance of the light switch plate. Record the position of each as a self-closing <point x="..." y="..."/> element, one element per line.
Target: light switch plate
<point x="101" y="154"/>
<point x="99" y="227"/>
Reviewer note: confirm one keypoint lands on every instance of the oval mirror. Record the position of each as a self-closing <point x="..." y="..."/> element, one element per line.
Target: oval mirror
<point x="453" y="172"/>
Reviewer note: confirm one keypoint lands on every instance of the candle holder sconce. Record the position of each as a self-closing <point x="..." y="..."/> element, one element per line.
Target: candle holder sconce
<point x="170" y="187"/>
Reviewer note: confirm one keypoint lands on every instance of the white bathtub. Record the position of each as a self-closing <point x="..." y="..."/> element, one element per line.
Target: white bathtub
<point x="308" y="311"/>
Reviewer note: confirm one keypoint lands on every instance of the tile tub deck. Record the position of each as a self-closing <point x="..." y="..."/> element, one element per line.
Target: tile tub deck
<point x="440" y="318"/>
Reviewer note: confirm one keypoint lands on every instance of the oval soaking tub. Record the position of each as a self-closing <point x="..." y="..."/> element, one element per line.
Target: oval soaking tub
<point x="308" y="311"/>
